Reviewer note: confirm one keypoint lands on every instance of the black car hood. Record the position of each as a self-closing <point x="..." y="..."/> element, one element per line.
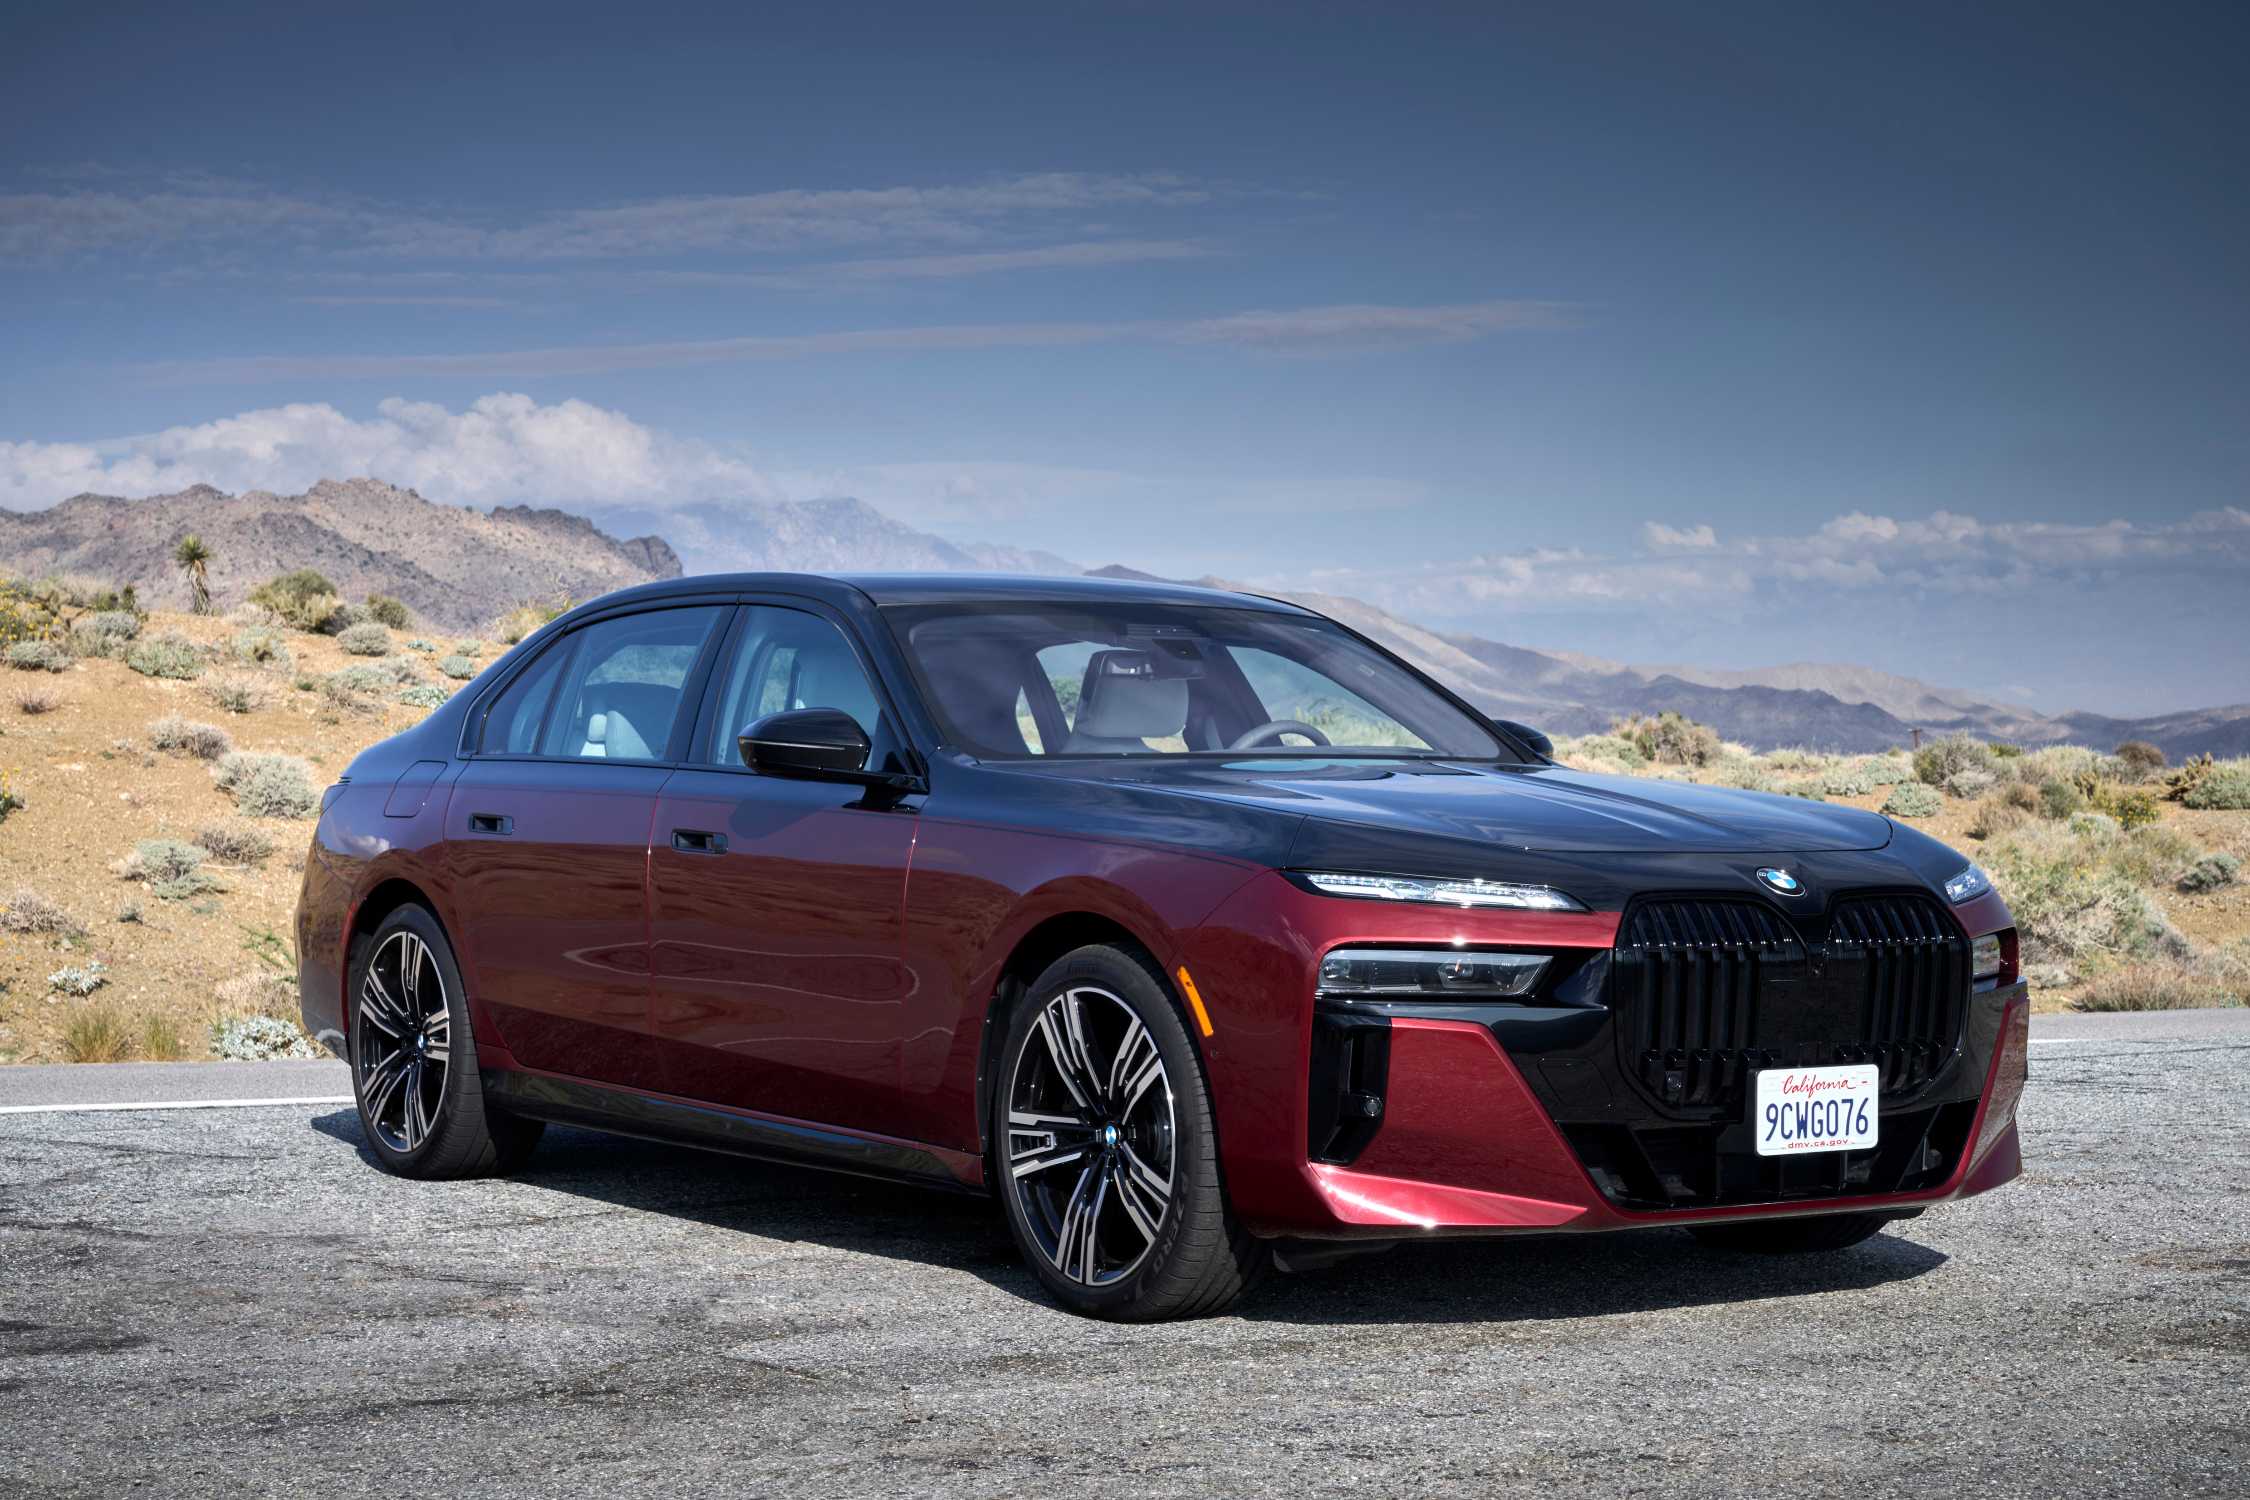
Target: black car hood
<point x="1544" y="809"/>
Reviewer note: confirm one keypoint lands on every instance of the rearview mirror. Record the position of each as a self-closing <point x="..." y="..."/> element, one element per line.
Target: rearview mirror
<point x="819" y="744"/>
<point x="1539" y="743"/>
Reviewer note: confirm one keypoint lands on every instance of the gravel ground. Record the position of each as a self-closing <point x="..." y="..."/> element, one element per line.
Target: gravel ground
<point x="232" y="1301"/>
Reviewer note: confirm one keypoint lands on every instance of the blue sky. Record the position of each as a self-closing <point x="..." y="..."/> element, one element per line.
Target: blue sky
<point x="1911" y="335"/>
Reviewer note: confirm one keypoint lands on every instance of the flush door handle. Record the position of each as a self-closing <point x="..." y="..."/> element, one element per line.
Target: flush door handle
<point x="491" y="823"/>
<point x="697" y="841"/>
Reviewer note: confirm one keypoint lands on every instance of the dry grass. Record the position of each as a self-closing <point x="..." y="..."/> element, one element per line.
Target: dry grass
<point x="29" y="912"/>
<point x="96" y="1034"/>
<point x="2155" y="986"/>
<point x="34" y="701"/>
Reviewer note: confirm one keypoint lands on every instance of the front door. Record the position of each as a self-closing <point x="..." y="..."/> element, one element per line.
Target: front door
<point x="776" y="905"/>
<point x="547" y="840"/>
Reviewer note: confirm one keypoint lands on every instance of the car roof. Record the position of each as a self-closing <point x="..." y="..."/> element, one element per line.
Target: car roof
<point x="953" y="588"/>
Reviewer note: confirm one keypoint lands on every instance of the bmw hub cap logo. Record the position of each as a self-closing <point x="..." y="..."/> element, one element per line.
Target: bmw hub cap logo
<point x="1781" y="881"/>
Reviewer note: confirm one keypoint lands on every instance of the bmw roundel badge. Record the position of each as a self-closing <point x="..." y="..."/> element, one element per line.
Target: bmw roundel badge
<point x="1781" y="882"/>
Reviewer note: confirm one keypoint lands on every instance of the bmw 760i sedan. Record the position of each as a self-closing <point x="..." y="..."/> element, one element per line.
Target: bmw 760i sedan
<point x="1195" y="928"/>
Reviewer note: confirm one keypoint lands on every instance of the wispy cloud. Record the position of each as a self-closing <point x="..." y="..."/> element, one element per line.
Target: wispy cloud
<point x="1308" y="330"/>
<point x="1077" y="255"/>
<point x="501" y="449"/>
<point x="403" y="299"/>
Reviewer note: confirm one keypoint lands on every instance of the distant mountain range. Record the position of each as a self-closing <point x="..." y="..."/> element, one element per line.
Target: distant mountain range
<point x="458" y="568"/>
<point x="454" y="567"/>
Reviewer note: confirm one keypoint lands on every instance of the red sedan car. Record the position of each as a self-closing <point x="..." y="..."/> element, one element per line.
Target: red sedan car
<point x="1197" y="929"/>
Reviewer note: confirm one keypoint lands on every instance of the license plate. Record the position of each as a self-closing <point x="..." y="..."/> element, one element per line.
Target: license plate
<point x="1817" y="1109"/>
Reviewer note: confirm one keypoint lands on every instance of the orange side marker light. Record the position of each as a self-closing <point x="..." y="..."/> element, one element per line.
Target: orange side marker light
<point x="1195" y="1001"/>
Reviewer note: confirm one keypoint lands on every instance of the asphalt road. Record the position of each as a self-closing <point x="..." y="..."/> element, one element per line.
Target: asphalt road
<point x="231" y="1301"/>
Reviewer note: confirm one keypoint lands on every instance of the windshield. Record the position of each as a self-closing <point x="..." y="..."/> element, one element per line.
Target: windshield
<point x="1011" y="680"/>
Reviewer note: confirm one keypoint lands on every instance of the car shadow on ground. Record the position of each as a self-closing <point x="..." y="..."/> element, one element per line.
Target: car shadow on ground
<point x="1443" y="1281"/>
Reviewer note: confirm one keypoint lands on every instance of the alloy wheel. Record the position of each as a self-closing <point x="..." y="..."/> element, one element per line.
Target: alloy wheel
<point x="405" y="1041"/>
<point x="1091" y="1136"/>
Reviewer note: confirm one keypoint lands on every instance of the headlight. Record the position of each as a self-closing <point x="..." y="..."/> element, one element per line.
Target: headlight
<point x="1968" y="885"/>
<point x="1434" y="973"/>
<point x="1440" y="892"/>
<point x="1985" y="959"/>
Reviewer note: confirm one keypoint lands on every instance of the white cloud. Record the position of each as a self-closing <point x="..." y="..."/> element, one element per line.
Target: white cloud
<point x="1659" y="536"/>
<point x="502" y="449"/>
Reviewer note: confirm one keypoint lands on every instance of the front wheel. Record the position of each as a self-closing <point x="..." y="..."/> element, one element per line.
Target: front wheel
<point x="1104" y="1152"/>
<point x="1791" y="1236"/>
<point x="414" y="1062"/>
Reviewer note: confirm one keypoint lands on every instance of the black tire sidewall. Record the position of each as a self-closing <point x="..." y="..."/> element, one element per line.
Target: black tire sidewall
<point x="1133" y="982"/>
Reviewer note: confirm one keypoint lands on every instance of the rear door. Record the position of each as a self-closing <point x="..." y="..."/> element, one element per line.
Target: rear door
<point x="776" y="905"/>
<point x="547" y="839"/>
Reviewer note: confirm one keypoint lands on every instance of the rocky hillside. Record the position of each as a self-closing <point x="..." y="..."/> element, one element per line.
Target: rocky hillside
<point x="455" y="567"/>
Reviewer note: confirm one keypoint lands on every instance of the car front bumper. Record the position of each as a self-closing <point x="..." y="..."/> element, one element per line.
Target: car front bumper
<point x="1474" y="1136"/>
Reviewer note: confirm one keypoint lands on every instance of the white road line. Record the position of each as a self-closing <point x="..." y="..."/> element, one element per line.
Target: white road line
<point x="73" y="1109"/>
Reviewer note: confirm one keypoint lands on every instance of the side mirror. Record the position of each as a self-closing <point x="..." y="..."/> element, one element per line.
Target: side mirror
<point x="1530" y="736"/>
<point x="819" y="744"/>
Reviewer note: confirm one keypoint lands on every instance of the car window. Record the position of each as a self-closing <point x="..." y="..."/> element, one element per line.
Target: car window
<point x="1290" y="690"/>
<point x="512" y="727"/>
<point x="786" y="659"/>
<point x="622" y="690"/>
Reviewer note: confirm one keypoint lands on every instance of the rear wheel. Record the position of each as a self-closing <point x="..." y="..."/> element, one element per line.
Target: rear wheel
<point x="1791" y="1236"/>
<point x="414" y="1063"/>
<point x="1104" y="1153"/>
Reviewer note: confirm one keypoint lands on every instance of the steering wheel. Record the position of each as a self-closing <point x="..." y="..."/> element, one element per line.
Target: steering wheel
<point x="1274" y="729"/>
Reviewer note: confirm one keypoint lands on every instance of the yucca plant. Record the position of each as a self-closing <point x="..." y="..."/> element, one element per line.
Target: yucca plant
<point x="194" y="558"/>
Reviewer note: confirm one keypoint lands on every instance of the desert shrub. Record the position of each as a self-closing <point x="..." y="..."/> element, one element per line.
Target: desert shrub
<point x="424" y="695"/>
<point x="171" y="868"/>
<point x="1890" y="770"/>
<point x="261" y="645"/>
<point x="367" y="638"/>
<point x="96" y="1034"/>
<point x="2003" y="750"/>
<point x="34" y="701"/>
<point x="158" y="1038"/>
<point x="2210" y="873"/>
<point x="238" y="693"/>
<point x="427" y="648"/>
<point x="2059" y="799"/>
<point x="1849" y="780"/>
<point x="1941" y="763"/>
<point x="129" y="911"/>
<point x="1995" y="816"/>
<point x="2150" y="986"/>
<point x="28" y="612"/>
<point x="397" y="670"/>
<point x="259" y="1038"/>
<point x="471" y="647"/>
<point x="2132" y="809"/>
<point x="38" y="656"/>
<point x="105" y="634"/>
<point x="2080" y="891"/>
<point x="461" y="668"/>
<point x="11" y="800"/>
<point x="353" y="689"/>
<point x="383" y="609"/>
<point x="181" y="736"/>
<point x="525" y="618"/>
<point x="269" y="786"/>
<point x="2021" y="797"/>
<point x="236" y="843"/>
<point x="303" y="600"/>
<point x="2223" y="788"/>
<point x="28" y="911"/>
<point x="1912" y="799"/>
<point x="2140" y="758"/>
<point x="166" y="655"/>
<point x="79" y="979"/>
<point x="2054" y="763"/>
<point x="1670" y="738"/>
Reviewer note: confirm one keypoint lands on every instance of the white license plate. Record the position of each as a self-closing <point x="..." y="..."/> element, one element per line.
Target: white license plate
<point x="1817" y="1109"/>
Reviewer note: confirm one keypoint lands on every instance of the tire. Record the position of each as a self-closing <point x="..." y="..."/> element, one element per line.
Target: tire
<point x="1101" y="1133"/>
<point x="1792" y="1236"/>
<point x="414" y="1061"/>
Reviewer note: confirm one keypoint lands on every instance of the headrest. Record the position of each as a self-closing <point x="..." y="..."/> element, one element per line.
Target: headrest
<point x="1123" y="698"/>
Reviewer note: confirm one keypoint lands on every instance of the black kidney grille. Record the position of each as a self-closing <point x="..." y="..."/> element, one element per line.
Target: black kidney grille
<point x="1709" y="991"/>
